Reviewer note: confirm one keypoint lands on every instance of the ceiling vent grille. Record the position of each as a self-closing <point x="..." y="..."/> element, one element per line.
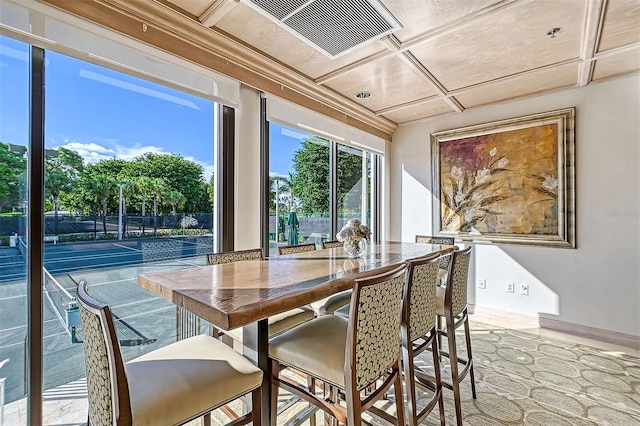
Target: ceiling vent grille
<point x="334" y="27"/>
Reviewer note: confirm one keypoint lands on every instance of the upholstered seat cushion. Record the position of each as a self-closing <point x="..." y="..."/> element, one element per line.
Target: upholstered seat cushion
<point x="329" y="305"/>
<point x="280" y="323"/>
<point x="316" y="347"/>
<point x="343" y="311"/>
<point x="172" y="384"/>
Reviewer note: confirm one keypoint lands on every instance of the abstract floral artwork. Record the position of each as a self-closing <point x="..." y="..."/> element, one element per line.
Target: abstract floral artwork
<point x="507" y="182"/>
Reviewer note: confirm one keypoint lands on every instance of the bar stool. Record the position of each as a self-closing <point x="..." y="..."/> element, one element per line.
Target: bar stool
<point x="348" y="355"/>
<point x="452" y="308"/>
<point x="170" y="385"/>
<point x="419" y="334"/>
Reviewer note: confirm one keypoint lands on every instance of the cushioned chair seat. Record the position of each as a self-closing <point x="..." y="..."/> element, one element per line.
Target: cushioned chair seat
<point x="280" y="323"/>
<point x="343" y="311"/>
<point x="191" y="376"/>
<point x="300" y="346"/>
<point x="329" y="305"/>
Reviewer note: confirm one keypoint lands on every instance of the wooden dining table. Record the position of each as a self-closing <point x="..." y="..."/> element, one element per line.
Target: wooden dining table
<point x="246" y="293"/>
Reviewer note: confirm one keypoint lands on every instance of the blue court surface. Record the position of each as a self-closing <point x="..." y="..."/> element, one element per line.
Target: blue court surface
<point x="143" y="320"/>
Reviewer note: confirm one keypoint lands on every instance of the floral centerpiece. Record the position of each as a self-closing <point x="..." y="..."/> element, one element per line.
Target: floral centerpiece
<point x="354" y="236"/>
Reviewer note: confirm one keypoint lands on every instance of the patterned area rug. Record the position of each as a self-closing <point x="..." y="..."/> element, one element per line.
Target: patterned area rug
<point x="525" y="379"/>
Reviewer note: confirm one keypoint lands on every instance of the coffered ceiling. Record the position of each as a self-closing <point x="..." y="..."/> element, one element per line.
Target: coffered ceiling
<point x="446" y="57"/>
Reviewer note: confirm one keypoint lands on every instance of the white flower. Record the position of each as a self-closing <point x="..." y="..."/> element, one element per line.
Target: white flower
<point x="502" y="163"/>
<point x="482" y="176"/>
<point x="353" y="230"/>
<point x="456" y="173"/>
<point x="550" y="183"/>
<point x="459" y="197"/>
<point x="493" y="152"/>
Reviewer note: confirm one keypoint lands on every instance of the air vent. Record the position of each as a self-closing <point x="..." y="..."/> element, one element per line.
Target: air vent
<point x="334" y="27"/>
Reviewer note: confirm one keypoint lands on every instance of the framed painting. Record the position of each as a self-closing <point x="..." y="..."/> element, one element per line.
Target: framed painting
<point x="511" y="181"/>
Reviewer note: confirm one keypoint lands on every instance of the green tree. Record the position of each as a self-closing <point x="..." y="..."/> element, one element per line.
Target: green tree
<point x="175" y="199"/>
<point x="103" y="188"/>
<point x="179" y="174"/>
<point x="13" y="167"/>
<point x="310" y="177"/>
<point x="158" y="189"/>
<point x="144" y="185"/>
<point x="62" y="174"/>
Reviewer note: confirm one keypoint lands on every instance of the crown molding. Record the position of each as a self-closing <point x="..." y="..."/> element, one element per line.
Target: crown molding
<point x="178" y="34"/>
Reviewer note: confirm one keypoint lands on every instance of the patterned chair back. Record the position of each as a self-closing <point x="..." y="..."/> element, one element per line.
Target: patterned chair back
<point x="234" y="256"/>
<point x="373" y="339"/>
<point x="299" y="248"/>
<point x="106" y="378"/>
<point x="332" y="244"/>
<point x="419" y="300"/>
<point x="430" y="239"/>
<point x="456" y="290"/>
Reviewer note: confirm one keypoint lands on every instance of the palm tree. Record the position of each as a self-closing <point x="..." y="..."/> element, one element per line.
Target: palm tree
<point x="175" y="199"/>
<point x="158" y="189"/>
<point x="103" y="187"/>
<point x="56" y="181"/>
<point x="144" y="185"/>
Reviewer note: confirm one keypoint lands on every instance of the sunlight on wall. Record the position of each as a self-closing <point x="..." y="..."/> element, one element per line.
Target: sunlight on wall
<point x="416" y="202"/>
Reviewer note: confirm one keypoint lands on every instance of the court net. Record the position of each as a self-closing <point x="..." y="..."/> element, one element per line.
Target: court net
<point x="61" y="301"/>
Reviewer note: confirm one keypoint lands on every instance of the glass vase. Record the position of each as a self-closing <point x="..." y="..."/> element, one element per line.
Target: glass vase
<point x="355" y="248"/>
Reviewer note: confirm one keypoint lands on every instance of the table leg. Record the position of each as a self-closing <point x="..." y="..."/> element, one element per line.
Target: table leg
<point x="256" y="347"/>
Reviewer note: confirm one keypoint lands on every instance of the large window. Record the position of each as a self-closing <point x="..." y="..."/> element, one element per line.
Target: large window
<point x="129" y="188"/>
<point x="14" y="140"/>
<point x="303" y="169"/>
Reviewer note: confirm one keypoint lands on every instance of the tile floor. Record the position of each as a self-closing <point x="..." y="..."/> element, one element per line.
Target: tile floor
<point x="67" y="405"/>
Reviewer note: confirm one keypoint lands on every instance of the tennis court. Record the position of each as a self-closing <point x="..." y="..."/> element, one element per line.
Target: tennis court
<point x="144" y="321"/>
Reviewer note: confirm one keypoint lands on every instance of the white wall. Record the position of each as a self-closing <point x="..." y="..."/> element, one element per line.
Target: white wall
<point x="596" y="285"/>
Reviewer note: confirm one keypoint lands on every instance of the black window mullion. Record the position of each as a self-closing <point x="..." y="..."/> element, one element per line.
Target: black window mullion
<point x="35" y="238"/>
<point x="264" y="177"/>
<point x="227" y="181"/>
<point x="333" y="192"/>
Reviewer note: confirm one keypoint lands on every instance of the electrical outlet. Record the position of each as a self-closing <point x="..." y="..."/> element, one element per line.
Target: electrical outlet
<point x="482" y="283"/>
<point x="524" y="289"/>
<point x="511" y="287"/>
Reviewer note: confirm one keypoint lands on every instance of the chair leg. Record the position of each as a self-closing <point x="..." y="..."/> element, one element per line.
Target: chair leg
<point x="435" y="350"/>
<point x="467" y="338"/>
<point x="311" y="383"/>
<point x="453" y="361"/>
<point x="256" y="407"/>
<point x="397" y="389"/>
<point x="275" y="372"/>
<point x="410" y="385"/>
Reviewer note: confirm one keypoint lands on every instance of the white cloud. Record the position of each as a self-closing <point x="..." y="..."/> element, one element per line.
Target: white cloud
<point x="93" y="153"/>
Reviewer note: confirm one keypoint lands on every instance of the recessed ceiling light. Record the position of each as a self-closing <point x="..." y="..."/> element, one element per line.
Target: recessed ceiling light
<point x="553" y="31"/>
<point x="363" y="95"/>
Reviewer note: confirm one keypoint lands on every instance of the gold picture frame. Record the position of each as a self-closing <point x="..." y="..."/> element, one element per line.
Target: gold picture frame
<point x="507" y="182"/>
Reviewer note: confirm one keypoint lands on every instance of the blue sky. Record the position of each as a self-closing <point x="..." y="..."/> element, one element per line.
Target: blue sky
<point x="102" y="113"/>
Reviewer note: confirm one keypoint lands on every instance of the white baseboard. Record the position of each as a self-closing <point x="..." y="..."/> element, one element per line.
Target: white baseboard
<point x="602" y="335"/>
<point x="608" y="336"/>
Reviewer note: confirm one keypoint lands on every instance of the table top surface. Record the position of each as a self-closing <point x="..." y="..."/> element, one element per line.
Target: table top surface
<point x="236" y="294"/>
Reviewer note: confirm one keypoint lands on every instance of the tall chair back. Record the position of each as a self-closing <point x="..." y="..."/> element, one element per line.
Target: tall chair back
<point x="234" y="256"/>
<point x="332" y="244"/>
<point x="298" y="248"/>
<point x="419" y="334"/>
<point x="452" y="307"/>
<point x="430" y="239"/>
<point x="456" y="289"/>
<point x="107" y="385"/>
